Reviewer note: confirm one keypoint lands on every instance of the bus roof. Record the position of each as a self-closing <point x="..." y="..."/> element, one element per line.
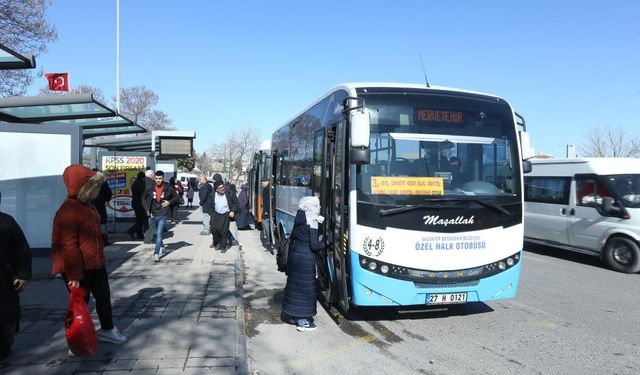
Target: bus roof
<point x="351" y="87"/>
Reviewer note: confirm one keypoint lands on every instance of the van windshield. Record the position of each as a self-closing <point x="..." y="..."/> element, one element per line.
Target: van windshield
<point x="627" y="187"/>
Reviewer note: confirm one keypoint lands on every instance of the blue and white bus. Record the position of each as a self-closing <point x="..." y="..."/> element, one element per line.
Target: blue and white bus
<point x="421" y="188"/>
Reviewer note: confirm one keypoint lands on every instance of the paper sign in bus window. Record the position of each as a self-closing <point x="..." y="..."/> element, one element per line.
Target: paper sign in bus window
<point x="407" y="185"/>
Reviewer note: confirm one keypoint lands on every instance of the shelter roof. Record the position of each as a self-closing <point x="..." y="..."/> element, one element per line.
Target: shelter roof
<point x="82" y="110"/>
<point x="9" y="59"/>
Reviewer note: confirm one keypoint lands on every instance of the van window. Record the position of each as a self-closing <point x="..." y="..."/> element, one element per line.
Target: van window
<point x="589" y="190"/>
<point x="553" y="190"/>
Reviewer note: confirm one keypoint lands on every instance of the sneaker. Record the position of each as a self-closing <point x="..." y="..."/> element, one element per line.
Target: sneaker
<point x="113" y="336"/>
<point x="70" y="353"/>
<point x="162" y="249"/>
<point x="309" y="326"/>
<point x="156" y="257"/>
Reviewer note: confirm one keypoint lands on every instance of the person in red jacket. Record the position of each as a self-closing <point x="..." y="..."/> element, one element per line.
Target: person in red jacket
<point x="77" y="248"/>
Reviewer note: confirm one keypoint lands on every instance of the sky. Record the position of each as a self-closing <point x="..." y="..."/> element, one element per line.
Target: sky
<point x="220" y="66"/>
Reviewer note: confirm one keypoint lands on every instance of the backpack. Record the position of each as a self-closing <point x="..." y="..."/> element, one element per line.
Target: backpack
<point x="282" y="253"/>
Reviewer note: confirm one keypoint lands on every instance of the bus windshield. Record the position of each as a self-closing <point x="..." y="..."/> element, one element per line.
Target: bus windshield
<point x="434" y="146"/>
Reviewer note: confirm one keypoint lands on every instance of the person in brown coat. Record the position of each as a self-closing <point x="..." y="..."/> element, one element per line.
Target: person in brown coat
<point x="77" y="248"/>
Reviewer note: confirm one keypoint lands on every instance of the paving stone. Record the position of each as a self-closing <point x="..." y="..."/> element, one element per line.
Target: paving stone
<point x="179" y="314"/>
<point x="145" y="364"/>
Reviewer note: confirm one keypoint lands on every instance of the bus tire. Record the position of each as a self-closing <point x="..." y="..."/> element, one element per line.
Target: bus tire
<point x="622" y="254"/>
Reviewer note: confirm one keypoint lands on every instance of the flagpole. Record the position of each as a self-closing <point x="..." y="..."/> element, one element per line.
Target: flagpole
<point x="118" y="56"/>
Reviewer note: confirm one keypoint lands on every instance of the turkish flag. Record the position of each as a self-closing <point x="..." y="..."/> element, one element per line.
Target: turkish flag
<point x="58" y="81"/>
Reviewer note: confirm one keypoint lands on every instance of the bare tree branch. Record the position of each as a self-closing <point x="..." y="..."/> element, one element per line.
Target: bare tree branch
<point x="25" y="29"/>
<point x="236" y="152"/>
<point x="610" y="142"/>
<point x="136" y="103"/>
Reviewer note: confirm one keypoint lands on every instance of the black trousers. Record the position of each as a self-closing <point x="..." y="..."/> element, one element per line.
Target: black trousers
<point x="7" y="334"/>
<point x="97" y="283"/>
<point x="150" y="231"/>
<point x="141" y="225"/>
<point x="220" y="228"/>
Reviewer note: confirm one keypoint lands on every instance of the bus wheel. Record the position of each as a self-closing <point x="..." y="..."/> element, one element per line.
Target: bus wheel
<point x="622" y="254"/>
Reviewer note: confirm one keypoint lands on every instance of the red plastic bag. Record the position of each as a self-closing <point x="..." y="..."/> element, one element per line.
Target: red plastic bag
<point x="78" y="325"/>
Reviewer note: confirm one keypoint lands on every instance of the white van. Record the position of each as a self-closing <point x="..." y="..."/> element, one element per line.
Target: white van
<point x="590" y="205"/>
<point x="187" y="178"/>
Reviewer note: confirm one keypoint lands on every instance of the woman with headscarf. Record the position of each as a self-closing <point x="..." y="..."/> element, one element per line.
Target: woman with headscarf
<point x="300" y="292"/>
<point x="244" y="218"/>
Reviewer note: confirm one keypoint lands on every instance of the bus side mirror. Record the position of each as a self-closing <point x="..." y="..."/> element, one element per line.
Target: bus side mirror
<point x="360" y="133"/>
<point x="525" y="145"/>
<point x="526" y="166"/>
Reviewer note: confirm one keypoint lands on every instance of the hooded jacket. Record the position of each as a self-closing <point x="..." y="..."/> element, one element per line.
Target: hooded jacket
<point x="76" y="243"/>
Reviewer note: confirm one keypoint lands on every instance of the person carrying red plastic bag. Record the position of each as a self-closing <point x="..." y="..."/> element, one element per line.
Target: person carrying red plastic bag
<point x="78" y="325"/>
<point x="77" y="249"/>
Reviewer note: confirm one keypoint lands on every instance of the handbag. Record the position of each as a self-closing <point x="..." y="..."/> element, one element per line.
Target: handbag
<point x="78" y="325"/>
<point x="282" y="253"/>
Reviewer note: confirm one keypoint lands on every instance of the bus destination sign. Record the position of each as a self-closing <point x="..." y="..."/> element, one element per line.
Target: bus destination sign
<point x="442" y="117"/>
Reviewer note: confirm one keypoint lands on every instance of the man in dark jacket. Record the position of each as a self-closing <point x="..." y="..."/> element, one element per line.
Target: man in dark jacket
<point x="204" y="191"/>
<point x="137" y="189"/>
<point x="224" y="206"/>
<point x="156" y="203"/>
<point x="100" y="203"/>
<point x="148" y="184"/>
<point x="15" y="270"/>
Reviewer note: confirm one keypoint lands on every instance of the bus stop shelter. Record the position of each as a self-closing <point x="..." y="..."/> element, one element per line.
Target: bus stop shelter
<point x="41" y="136"/>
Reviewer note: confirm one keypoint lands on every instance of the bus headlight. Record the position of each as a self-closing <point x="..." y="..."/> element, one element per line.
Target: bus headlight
<point x="372" y="266"/>
<point x="384" y="268"/>
<point x="509" y="262"/>
<point x="502" y="265"/>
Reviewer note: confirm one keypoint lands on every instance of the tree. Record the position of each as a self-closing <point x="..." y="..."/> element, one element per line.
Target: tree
<point x="187" y="163"/>
<point x="24" y="29"/>
<point x="237" y="151"/>
<point x="203" y="162"/>
<point x="610" y="142"/>
<point x="136" y="103"/>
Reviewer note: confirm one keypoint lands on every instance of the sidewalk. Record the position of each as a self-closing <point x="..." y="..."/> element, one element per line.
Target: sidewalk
<point x="183" y="315"/>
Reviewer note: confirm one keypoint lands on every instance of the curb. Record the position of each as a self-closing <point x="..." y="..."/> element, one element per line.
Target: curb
<point x="242" y="367"/>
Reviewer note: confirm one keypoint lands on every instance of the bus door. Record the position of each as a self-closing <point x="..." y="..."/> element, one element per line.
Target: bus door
<point x="333" y="203"/>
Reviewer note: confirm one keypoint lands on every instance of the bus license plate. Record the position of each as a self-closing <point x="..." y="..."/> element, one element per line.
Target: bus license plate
<point x="446" y="298"/>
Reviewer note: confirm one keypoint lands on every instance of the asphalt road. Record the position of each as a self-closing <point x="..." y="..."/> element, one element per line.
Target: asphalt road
<point x="571" y="316"/>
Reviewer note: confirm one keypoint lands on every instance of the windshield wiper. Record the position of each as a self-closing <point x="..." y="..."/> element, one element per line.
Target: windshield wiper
<point x="494" y="206"/>
<point x="397" y="210"/>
